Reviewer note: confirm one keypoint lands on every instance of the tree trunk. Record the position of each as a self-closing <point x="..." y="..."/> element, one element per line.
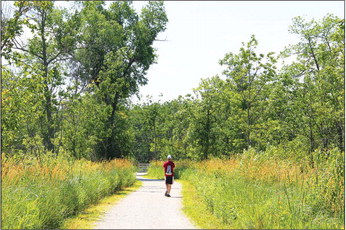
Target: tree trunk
<point x="111" y="149"/>
<point x="341" y="135"/>
<point x="312" y="143"/>
<point x="47" y="92"/>
<point x="207" y="137"/>
<point x="313" y="54"/>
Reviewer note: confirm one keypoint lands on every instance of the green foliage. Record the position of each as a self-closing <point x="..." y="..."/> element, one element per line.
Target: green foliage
<point x="115" y="53"/>
<point x="156" y="171"/>
<point x="299" y="108"/>
<point x="68" y="96"/>
<point x="13" y="26"/>
<point x="258" y="190"/>
<point x="318" y="81"/>
<point x="42" y="194"/>
<point x="247" y="204"/>
<point x="22" y="108"/>
<point x="73" y="77"/>
<point x="83" y="126"/>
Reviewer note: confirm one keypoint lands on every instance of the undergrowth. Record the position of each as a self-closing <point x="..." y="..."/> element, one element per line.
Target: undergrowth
<point x="40" y="193"/>
<point x="87" y="219"/>
<point x="254" y="190"/>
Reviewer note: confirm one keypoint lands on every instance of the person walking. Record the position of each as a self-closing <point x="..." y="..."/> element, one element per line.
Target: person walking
<point x="169" y="174"/>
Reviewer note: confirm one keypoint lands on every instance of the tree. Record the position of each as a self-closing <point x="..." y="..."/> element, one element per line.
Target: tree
<point x="205" y="119"/>
<point x="21" y="109"/>
<point x="249" y="77"/>
<point x="301" y="106"/>
<point x="42" y="56"/>
<point x="12" y="25"/>
<point x="319" y="93"/>
<point x="115" y="51"/>
<point x="146" y="119"/>
<point x="92" y="55"/>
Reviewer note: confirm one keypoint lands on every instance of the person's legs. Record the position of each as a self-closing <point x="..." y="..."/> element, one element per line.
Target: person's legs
<point x="169" y="181"/>
<point x="166" y="182"/>
<point x="169" y="186"/>
<point x="166" y="189"/>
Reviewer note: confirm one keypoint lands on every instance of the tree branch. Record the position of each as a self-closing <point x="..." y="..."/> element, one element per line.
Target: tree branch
<point x="53" y="58"/>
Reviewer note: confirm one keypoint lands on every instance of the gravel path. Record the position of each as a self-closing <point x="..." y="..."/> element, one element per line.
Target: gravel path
<point x="148" y="208"/>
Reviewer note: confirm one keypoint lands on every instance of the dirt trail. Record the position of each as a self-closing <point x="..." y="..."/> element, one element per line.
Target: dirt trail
<point x="148" y="208"/>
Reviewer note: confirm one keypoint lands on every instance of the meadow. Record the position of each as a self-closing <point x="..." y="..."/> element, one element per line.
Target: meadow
<point x="257" y="191"/>
<point x="41" y="193"/>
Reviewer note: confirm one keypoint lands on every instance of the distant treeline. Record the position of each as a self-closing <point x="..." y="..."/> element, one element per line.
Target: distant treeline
<point x="298" y="108"/>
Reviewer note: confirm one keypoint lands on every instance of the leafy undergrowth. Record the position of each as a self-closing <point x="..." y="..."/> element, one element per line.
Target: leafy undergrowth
<point x="258" y="192"/>
<point x="43" y="193"/>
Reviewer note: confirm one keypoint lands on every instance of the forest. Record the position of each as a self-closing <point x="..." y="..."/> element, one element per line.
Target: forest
<point x="67" y="89"/>
<point x="66" y="93"/>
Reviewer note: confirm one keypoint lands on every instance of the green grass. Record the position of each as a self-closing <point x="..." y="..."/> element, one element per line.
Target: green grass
<point x="246" y="204"/>
<point x="194" y="206"/>
<point x="155" y="171"/>
<point x="197" y="211"/>
<point x="222" y="198"/>
<point x="42" y="195"/>
<point x="87" y="218"/>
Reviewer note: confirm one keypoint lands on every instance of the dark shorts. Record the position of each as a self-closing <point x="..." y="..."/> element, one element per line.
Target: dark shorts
<point x="169" y="179"/>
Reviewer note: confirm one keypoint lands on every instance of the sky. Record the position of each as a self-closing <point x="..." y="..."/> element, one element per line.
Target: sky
<point x="200" y="33"/>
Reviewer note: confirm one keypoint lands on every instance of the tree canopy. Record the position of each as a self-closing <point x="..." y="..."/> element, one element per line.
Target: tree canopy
<point x="67" y="88"/>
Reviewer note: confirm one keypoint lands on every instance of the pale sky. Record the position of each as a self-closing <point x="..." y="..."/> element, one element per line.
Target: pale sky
<point x="200" y="33"/>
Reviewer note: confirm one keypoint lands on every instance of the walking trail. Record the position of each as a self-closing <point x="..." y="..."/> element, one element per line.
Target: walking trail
<point x="148" y="208"/>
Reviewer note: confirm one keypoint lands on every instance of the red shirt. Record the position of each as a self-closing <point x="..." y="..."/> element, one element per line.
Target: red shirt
<point x="169" y="166"/>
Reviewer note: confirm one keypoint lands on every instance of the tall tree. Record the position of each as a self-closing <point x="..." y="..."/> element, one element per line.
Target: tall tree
<point x="320" y="70"/>
<point x="249" y="76"/>
<point x="204" y="126"/>
<point x="115" y="51"/>
<point x="42" y="55"/>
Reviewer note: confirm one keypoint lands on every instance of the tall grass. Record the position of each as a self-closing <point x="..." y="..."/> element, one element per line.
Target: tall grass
<point x="254" y="190"/>
<point x="40" y="193"/>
